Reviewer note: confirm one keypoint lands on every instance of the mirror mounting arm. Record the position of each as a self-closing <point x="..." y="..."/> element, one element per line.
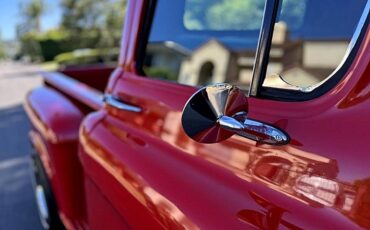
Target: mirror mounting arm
<point x="216" y="112"/>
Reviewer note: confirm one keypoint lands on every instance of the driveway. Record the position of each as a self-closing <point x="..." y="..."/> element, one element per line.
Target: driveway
<point x="17" y="204"/>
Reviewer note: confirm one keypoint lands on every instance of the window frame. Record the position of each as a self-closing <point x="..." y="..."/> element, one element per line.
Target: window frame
<point x="259" y="73"/>
<point x="262" y="54"/>
<point x="148" y="15"/>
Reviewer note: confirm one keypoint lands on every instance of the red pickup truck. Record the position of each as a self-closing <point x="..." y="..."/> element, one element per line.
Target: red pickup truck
<point x="275" y="134"/>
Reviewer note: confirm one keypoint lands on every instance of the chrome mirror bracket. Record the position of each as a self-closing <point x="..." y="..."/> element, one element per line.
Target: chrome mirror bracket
<point x="216" y="112"/>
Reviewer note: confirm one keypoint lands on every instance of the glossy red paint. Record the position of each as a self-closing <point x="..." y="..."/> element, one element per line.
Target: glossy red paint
<point x="140" y="170"/>
<point x="54" y="135"/>
<point x="133" y="21"/>
<point x="75" y="89"/>
<point x="53" y="115"/>
<point x="237" y="183"/>
<point x="96" y="76"/>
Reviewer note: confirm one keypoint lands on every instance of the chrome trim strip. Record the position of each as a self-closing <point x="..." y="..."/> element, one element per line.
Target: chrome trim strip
<point x="351" y="45"/>
<point x="76" y="89"/>
<point x="264" y="44"/>
<point x="259" y="76"/>
<point x="42" y="206"/>
<point x="118" y="104"/>
<point x="359" y="27"/>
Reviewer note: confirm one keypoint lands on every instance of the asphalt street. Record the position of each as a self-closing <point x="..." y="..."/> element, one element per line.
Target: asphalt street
<point x="17" y="203"/>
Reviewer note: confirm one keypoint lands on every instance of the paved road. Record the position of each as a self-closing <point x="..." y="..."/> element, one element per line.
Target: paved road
<point x="17" y="205"/>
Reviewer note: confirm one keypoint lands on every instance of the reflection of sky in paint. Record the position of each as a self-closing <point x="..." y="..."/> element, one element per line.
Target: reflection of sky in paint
<point x="10" y="16"/>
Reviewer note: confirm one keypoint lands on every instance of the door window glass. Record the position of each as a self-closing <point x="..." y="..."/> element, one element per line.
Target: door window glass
<point x="200" y="42"/>
<point x="310" y="39"/>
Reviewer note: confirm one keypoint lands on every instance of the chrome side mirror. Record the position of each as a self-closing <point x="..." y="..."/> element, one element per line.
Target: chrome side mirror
<point x="216" y="112"/>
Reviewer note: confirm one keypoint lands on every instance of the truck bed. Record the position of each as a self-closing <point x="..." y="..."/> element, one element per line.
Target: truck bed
<point x="82" y="86"/>
<point x="95" y="76"/>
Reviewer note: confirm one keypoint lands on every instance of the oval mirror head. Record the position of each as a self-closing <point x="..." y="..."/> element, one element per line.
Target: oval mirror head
<point x="205" y="117"/>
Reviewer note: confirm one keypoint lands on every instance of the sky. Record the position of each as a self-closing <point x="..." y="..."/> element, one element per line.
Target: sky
<point x="10" y="16"/>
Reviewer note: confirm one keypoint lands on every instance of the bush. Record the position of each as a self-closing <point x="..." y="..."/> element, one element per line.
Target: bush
<point x="46" y="46"/>
<point x="161" y="73"/>
<point x="30" y="46"/>
<point x="52" y="43"/>
<point x="87" y="56"/>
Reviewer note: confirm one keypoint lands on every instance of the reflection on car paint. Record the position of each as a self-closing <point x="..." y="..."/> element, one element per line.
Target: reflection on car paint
<point x="306" y="177"/>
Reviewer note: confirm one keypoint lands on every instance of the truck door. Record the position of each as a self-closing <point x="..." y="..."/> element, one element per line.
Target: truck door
<point x="309" y="62"/>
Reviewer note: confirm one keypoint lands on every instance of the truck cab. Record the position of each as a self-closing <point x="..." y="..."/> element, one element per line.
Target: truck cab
<point x="219" y="115"/>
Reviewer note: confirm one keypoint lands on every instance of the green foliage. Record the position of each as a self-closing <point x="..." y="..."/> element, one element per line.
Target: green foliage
<point x="52" y="43"/>
<point x="236" y="15"/>
<point x="292" y="12"/>
<point x="112" y="24"/>
<point x="2" y="51"/>
<point x="31" y="14"/>
<point x="161" y="73"/>
<point x="29" y="28"/>
<point x="87" y="56"/>
<point x="54" y="34"/>
<point x="30" y="46"/>
<point x="195" y="13"/>
<point x="101" y="20"/>
<point x="223" y="14"/>
<point x="50" y="48"/>
<point x="81" y="14"/>
<point x="85" y="24"/>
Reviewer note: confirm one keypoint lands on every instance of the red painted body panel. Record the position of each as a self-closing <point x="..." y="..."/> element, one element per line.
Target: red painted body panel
<point x="75" y="89"/>
<point x="53" y="115"/>
<point x="140" y="170"/>
<point x="96" y="76"/>
<point x="233" y="184"/>
<point x="54" y="135"/>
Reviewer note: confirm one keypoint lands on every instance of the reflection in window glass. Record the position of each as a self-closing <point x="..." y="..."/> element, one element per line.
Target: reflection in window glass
<point x="200" y="42"/>
<point x="310" y="40"/>
<point x="223" y="15"/>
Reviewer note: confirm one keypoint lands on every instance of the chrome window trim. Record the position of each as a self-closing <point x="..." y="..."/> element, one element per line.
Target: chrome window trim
<point x="259" y="76"/>
<point x="350" y="47"/>
<point x="264" y="45"/>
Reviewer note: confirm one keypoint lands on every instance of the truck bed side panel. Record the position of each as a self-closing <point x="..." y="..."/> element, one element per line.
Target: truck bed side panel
<point x="55" y="123"/>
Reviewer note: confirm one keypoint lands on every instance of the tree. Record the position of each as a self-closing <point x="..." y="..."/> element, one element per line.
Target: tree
<point x="79" y="15"/>
<point x="195" y="13"/>
<point x="93" y="23"/>
<point x="112" y="24"/>
<point x="84" y="24"/>
<point x="29" y="27"/>
<point x="2" y="49"/>
<point x="235" y="15"/>
<point x="224" y="14"/>
<point x="31" y="13"/>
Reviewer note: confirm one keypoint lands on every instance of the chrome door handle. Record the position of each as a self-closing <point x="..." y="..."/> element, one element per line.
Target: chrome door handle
<point x="118" y="104"/>
<point x="252" y="129"/>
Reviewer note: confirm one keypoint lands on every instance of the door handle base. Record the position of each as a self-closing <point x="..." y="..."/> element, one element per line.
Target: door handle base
<point x="120" y="105"/>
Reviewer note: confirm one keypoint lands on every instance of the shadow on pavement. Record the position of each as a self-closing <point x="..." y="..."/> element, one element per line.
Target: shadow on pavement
<point x="17" y="203"/>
